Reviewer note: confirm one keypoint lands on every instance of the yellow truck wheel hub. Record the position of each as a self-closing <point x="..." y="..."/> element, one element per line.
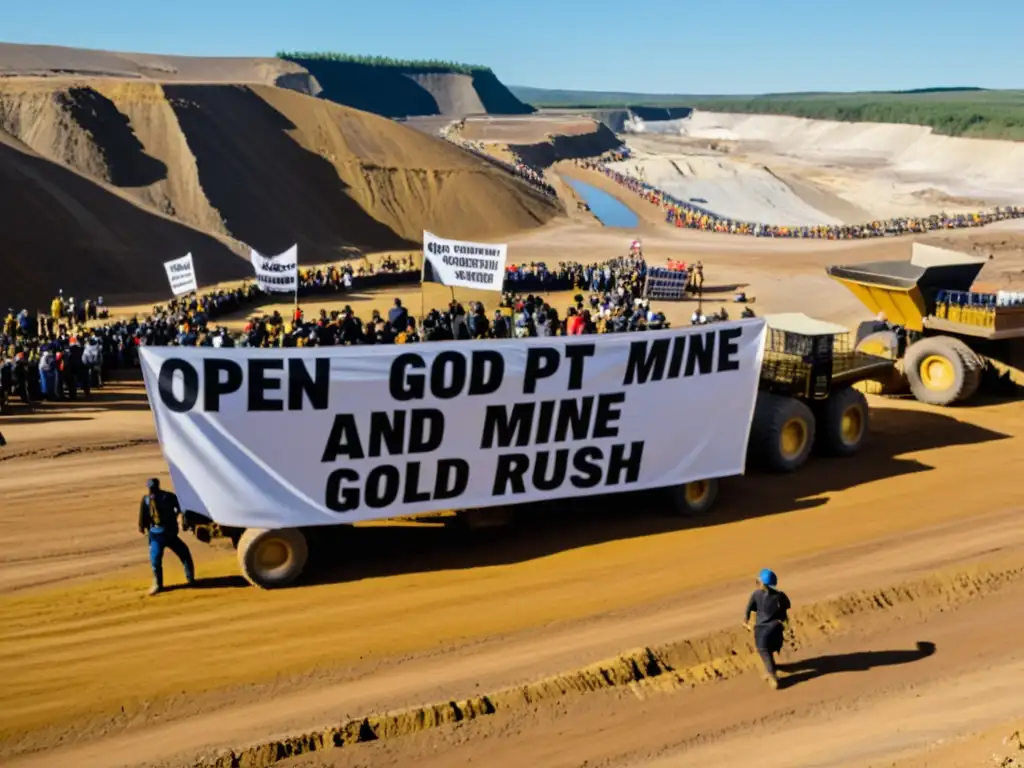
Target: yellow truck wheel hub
<point x="697" y="491"/>
<point x="937" y="373"/>
<point x="794" y="438"/>
<point x="851" y="427"/>
<point x="273" y="554"/>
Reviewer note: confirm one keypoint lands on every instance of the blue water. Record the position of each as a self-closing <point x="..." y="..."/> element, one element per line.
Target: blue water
<point x="606" y="208"/>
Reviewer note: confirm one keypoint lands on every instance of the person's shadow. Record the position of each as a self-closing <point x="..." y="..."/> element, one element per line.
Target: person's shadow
<point x="807" y="669"/>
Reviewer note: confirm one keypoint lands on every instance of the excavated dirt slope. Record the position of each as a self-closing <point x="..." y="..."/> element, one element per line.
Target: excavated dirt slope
<point x="104" y="179"/>
<point x="541" y="140"/>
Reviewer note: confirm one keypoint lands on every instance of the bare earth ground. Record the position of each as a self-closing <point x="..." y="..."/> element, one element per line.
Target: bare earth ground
<point x="840" y="713"/>
<point x="924" y="528"/>
<point x="418" y="616"/>
<point x="53" y="60"/>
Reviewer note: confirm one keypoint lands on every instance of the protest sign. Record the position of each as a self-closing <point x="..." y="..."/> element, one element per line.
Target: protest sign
<point x="279" y="438"/>
<point x="460" y="264"/>
<point x="277" y="274"/>
<point x="181" y="274"/>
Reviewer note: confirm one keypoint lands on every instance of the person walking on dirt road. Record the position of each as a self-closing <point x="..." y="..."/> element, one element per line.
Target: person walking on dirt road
<point x="158" y="517"/>
<point x="772" y="609"/>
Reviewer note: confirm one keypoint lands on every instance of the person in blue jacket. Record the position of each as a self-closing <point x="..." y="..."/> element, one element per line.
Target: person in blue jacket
<point x="772" y="608"/>
<point x="158" y="518"/>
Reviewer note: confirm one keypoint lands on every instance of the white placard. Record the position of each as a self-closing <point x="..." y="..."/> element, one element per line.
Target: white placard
<point x="276" y="274"/>
<point x="181" y="274"/>
<point x="462" y="264"/>
<point x="287" y="437"/>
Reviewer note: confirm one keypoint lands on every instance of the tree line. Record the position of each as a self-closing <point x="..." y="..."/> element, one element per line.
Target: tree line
<point x="969" y="112"/>
<point x="408" y="65"/>
<point x="972" y="118"/>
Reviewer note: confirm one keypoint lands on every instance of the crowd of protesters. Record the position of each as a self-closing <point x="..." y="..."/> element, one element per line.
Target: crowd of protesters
<point x="531" y="175"/>
<point x="77" y="347"/>
<point x="684" y="214"/>
<point x="518" y="167"/>
<point x="569" y="276"/>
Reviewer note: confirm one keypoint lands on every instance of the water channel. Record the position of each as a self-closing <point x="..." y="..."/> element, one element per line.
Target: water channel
<point x="606" y="208"/>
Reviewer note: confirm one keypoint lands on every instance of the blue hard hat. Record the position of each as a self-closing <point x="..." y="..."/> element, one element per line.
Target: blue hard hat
<point x="768" y="577"/>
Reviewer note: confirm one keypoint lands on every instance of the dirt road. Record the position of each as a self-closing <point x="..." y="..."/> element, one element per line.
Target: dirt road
<point x="417" y="614"/>
<point x="940" y="677"/>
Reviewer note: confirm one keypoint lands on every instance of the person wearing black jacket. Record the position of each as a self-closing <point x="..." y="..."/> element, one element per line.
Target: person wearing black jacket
<point x="20" y="377"/>
<point x="158" y="517"/>
<point x="6" y="382"/>
<point x="772" y="609"/>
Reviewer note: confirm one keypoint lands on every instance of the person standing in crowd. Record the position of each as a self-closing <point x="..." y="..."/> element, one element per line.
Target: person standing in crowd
<point x="73" y="369"/>
<point x="48" y="375"/>
<point x="499" y="327"/>
<point x="158" y="518"/>
<point x="20" y="375"/>
<point x="398" y="316"/>
<point x="92" y="365"/>
<point x="6" y="382"/>
<point x="573" y="322"/>
<point x="479" y="325"/>
<point x="771" y="607"/>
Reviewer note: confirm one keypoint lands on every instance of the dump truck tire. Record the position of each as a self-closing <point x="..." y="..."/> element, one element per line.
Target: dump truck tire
<point x="272" y="558"/>
<point x="782" y="432"/>
<point x="942" y="370"/>
<point x="883" y="344"/>
<point x="843" y="423"/>
<point x="694" y="499"/>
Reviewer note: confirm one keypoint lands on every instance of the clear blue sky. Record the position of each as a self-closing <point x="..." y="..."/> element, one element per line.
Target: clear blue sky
<point x="655" y="46"/>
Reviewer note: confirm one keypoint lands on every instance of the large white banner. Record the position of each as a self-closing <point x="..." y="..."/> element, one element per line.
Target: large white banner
<point x="181" y="274"/>
<point x="461" y="264"/>
<point x="273" y="438"/>
<point x="276" y="274"/>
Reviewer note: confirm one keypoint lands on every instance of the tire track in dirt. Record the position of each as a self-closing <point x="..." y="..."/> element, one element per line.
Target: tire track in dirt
<point x="55" y="452"/>
<point x="645" y="671"/>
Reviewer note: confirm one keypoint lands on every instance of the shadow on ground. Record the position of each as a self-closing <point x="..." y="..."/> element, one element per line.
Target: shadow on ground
<point x="128" y="164"/>
<point x="210" y="582"/>
<point x="808" y="669"/>
<point x="724" y="288"/>
<point x="116" y="396"/>
<point x="345" y="553"/>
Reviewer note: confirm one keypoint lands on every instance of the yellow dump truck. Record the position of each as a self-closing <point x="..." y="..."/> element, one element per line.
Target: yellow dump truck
<point x="928" y="318"/>
<point x="806" y="396"/>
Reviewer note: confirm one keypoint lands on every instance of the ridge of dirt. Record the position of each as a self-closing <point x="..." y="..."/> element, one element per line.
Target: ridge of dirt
<point x="54" y="61"/>
<point x="686" y="663"/>
<point x="568" y="147"/>
<point x="235" y="165"/>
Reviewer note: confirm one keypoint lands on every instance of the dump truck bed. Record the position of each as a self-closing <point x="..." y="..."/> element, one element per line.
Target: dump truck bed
<point x="906" y="291"/>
